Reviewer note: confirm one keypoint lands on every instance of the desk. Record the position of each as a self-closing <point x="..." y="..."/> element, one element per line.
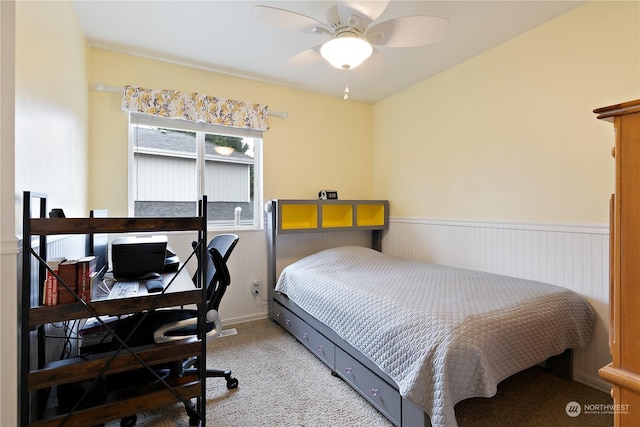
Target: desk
<point x="178" y="281"/>
<point x="178" y="286"/>
<point x="182" y="291"/>
<point x="174" y="284"/>
<point x="36" y="381"/>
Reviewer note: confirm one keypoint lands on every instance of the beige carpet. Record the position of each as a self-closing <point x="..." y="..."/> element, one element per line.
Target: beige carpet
<point x="282" y="384"/>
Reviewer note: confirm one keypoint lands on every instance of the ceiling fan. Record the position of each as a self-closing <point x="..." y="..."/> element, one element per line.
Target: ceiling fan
<point x="352" y="30"/>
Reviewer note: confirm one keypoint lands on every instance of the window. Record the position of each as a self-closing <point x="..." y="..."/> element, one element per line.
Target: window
<point x="174" y="162"/>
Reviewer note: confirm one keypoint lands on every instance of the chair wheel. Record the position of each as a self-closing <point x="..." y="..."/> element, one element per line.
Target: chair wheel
<point x="232" y="383"/>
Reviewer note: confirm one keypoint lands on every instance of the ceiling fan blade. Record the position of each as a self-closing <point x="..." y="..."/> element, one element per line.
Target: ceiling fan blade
<point x="309" y="56"/>
<point x="288" y="20"/>
<point x="408" y="31"/>
<point x="360" y="13"/>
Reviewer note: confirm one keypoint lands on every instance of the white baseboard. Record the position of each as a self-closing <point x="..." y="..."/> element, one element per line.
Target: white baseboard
<point x="596" y="383"/>
<point x="243" y="319"/>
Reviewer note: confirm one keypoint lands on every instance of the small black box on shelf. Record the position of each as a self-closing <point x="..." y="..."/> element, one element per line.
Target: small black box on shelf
<point x="328" y="195"/>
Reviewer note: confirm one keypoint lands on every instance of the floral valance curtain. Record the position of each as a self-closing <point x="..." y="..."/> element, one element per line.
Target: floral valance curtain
<point x="195" y="107"/>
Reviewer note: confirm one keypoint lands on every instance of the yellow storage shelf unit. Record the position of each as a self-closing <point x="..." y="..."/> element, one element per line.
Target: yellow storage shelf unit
<point x="297" y="216"/>
<point x="336" y="215"/>
<point x="325" y="215"/>
<point x="371" y="214"/>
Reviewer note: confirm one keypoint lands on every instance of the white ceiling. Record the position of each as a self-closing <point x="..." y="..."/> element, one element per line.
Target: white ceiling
<point x="222" y="36"/>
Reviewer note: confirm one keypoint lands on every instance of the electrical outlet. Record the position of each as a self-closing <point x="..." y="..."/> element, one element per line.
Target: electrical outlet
<point x="255" y="287"/>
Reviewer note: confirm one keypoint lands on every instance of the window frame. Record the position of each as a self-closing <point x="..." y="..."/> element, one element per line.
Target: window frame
<point x="136" y="119"/>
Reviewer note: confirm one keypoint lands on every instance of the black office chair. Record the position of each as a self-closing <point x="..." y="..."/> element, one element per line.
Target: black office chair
<point x="177" y="323"/>
<point x="218" y="278"/>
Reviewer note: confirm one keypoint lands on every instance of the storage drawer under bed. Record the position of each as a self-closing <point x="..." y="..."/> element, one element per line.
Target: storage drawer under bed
<point x="377" y="391"/>
<point x="317" y="343"/>
<point x="381" y="395"/>
<point x="285" y="318"/>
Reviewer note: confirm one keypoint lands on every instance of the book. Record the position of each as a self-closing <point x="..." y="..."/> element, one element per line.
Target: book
<point x="68" y="272"/>
<point x="86" y="274"/>
<point x="50" y="296"/>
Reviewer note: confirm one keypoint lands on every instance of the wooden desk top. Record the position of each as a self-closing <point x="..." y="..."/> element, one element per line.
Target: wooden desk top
<point x="172" y="282"/>
<point x="179" y="290"/>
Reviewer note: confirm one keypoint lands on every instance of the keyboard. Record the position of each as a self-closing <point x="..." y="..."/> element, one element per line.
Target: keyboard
<point x="123" y="290"/>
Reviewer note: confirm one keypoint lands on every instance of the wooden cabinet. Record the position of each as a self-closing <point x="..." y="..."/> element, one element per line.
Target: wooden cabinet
<point x="624" y="371"/>
<point x="38" y="379"/>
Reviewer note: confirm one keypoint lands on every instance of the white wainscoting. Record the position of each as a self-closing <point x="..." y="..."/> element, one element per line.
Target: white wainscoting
<point x="572" y="256"/>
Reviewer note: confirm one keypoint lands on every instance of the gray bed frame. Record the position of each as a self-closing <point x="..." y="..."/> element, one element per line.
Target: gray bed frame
<point x="342" y="358"/>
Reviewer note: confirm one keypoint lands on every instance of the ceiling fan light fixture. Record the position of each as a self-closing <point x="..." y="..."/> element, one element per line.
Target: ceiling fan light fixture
<point x="346" y="53"/>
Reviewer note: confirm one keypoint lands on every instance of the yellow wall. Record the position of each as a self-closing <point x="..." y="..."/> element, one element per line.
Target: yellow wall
<point x="324" y="143"/>
<point x="50" y="144"/>
<point x="510" y="135"/>
<point x="51" y="106"/>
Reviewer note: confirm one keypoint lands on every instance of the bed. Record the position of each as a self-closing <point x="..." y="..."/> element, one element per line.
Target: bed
<point x="415" y="338"/>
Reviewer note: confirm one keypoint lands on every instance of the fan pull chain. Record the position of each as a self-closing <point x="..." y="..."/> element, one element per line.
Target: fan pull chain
<point x="346" y="84"/>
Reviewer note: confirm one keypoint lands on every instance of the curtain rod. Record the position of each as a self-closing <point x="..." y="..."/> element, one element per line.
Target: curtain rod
<point x="99" y="87"/>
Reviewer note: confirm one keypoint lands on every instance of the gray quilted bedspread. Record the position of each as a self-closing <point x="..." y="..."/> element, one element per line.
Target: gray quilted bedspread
<point x="443" y="334"/>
